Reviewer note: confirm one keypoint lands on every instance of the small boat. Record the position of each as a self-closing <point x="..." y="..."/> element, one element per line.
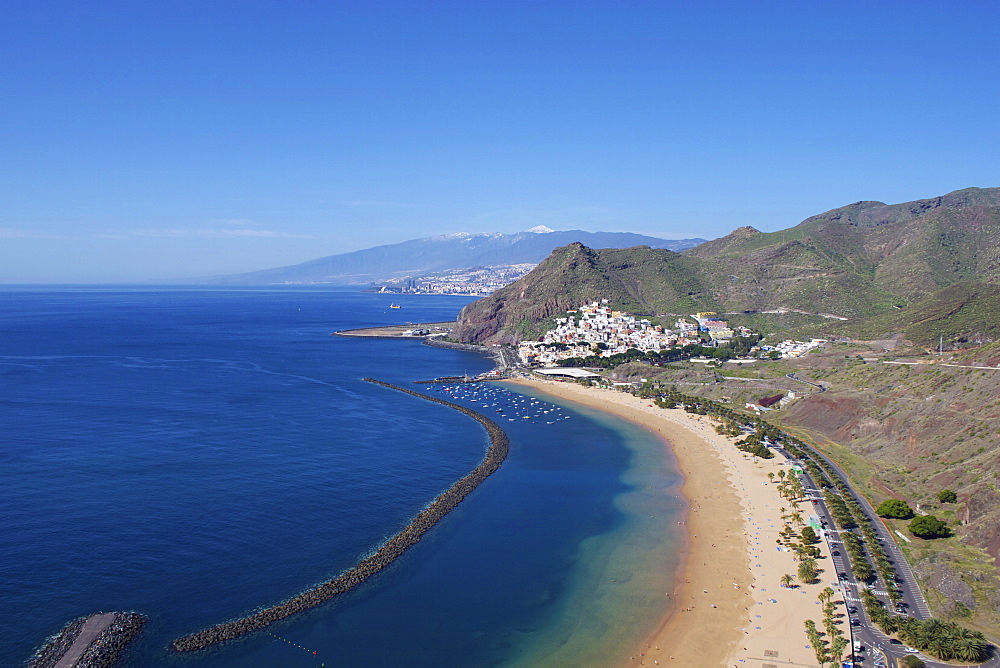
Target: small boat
<point x="395" y="306"/>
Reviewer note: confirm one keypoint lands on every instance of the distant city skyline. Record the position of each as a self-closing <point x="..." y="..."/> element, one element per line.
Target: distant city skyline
<point x="144" y="141"/>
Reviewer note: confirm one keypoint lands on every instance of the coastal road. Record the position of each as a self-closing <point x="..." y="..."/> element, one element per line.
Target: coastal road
<point x="913" y="598"/>
<point x="875" y="643"/>
<point x="507" y="358"/>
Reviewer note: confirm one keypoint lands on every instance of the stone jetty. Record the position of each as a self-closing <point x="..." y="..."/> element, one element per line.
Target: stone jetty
<point x="89" y="642"/>
<point x="385" y="555"/>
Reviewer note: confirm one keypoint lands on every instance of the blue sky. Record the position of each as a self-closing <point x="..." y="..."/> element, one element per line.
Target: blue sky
<point x="168" y="139"/>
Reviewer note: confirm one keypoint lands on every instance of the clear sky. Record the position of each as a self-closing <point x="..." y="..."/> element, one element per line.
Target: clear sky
<point x="143" y="139"/>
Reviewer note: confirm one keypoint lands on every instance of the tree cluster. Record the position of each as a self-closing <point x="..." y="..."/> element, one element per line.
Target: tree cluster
<point x="737" y="347"/>
<point x="894" y="508"/>
<point x="945" y="640"/>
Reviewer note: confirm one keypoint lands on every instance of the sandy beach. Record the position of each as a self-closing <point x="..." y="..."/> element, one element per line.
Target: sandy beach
<point x="728" y="608"/>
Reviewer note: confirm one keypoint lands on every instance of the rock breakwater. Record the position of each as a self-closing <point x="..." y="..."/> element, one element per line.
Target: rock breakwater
<point x="385" y="555"/>
<point x="90" y="642"/>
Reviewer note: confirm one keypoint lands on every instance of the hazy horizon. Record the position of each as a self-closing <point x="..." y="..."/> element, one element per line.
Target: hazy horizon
<point x="149" y="142"/>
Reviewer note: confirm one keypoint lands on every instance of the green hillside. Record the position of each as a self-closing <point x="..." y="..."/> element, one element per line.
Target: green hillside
<point x="860" y="261"/>
<point x="960" y="315"/>
<point x="904" y="423"/>
<point x="638" y="280"/>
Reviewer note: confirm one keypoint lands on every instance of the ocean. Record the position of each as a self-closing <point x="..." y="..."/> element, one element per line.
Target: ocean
<point x="196" y="454"/>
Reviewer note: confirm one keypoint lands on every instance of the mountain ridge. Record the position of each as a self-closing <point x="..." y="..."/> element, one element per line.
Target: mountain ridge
<point x="857" y="261"/>
<point x="439" y="253"/>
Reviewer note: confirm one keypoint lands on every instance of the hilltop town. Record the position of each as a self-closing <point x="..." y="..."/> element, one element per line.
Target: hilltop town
<point x="596" y="329"/>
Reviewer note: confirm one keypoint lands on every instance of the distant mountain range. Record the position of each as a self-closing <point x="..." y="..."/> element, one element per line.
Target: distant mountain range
<point x="857" y="261"/>
<point x="441" y="253"/>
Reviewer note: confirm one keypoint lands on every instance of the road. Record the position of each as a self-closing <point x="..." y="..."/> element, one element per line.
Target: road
<point x="876" y="644"/>
<point x="507" y="358"/>
<point x="822" y="388"/>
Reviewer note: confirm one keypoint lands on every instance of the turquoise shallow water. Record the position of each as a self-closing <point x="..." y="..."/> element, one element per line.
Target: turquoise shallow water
<point x="194" y="454"/>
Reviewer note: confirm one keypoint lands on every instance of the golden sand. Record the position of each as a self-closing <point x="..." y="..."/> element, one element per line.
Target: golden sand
<point x="729" y="608"/>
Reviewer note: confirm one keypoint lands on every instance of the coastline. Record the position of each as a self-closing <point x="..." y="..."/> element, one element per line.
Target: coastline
<point x="727" y="607"/>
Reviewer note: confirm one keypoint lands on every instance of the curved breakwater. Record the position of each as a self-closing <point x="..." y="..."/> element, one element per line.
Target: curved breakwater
<point x="385" y="555"/>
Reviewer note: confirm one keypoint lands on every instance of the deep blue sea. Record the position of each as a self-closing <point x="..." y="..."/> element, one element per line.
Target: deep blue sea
<point x="194" y="454"/>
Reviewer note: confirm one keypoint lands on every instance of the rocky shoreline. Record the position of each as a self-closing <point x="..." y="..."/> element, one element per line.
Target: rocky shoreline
<point x="100" y="651"/>
<point x="386" y="554"/>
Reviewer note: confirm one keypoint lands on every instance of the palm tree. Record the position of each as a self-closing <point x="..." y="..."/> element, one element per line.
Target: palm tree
<point x="837" y="647"/>
<point x="807" y="571"/>
<point x="786" y="580"/>
<point x="972" y="648"/>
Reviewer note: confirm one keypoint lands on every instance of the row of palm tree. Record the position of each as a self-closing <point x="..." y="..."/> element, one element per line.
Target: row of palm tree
<point x="830" y="646"/>
<point x="817" y="641"/>
<point x="848" y="514"/>
<point x="791" y="488"/>
<point x="858" y="559"/>
<point x="838" y="642"/>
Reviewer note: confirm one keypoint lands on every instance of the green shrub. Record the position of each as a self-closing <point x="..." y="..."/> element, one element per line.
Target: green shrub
<point x="928" y="526"/>
<point x="895" y="508"/>
<point x="947" y="496"/>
